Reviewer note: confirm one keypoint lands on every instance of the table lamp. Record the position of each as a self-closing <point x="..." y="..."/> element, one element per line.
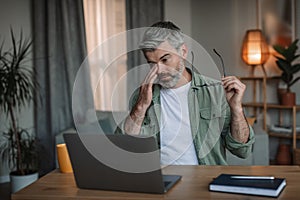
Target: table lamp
<point x="255" y="50"/>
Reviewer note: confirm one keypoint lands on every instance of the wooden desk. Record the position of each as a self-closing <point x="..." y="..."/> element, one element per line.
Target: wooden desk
<point x="194" y="185"/>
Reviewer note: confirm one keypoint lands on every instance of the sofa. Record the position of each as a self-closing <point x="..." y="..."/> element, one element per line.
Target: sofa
<point x="260" y="151"/>
<point x="259" y="156"/>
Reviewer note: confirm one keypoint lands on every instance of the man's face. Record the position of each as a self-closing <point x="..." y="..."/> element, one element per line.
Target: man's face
<point x="169" y="62"/>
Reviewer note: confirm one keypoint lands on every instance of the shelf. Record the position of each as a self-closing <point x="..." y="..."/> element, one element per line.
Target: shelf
<point x="258" y="105"/>
<point x="262" y="82"/>
<point x="259" y="77"/>
<point x="282" y="106"/>
<point x="268" y="105"/>
<point x="283" y="135"/>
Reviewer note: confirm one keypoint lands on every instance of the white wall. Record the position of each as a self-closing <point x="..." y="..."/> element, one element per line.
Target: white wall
<point x="15" y="14"/>
<point x="179" y="12"/>
<point x="222" y="25"/>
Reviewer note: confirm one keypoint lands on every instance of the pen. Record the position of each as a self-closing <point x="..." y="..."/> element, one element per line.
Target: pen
<point x="253" y="177"/>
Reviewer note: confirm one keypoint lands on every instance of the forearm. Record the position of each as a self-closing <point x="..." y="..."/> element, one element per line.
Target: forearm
<point x="239" y="126"/>
<point x="133" y="122"/>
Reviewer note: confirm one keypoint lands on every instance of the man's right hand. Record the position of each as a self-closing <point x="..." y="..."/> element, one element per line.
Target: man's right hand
<point x="135" y="119"/>
<point x="145" y="95"/>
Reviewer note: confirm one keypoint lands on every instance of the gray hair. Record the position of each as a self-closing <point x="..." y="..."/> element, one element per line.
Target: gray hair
<point x="159" y="33"/>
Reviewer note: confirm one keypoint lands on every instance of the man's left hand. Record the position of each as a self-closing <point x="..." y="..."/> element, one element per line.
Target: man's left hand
<point x="234" y="89"/>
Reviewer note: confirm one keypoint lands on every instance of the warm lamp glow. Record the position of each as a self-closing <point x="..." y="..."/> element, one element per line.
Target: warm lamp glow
<point x="255" y="50"/>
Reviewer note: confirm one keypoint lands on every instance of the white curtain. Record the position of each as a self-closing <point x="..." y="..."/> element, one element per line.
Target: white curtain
<point x="103" y="20"/>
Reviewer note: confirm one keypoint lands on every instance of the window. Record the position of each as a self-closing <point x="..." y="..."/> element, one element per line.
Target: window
<point x="104" y="19"/>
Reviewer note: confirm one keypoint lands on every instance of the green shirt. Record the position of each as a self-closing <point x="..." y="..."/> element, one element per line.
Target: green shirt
<point x="209" y="119"/>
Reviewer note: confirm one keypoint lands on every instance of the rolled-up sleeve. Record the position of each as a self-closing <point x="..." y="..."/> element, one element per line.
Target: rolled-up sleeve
<point x="242" y="150"/>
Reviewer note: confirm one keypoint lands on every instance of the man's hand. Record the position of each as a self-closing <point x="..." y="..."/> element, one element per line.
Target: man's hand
<point x="234" y="90"/>
<point x="135" y="119"/>
<point x="145" y="95"/>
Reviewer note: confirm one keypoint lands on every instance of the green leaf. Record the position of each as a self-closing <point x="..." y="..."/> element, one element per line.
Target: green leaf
<point x="289" y="52"/>
<point x="294" y="81"/>
<point x="283" y="65"/>
<point x="17" y="89"/>
<point x="295" y="68"/>
<point x="287" y="78"/>
<point x="286" y="62"/>
<point x="279" y="49"/>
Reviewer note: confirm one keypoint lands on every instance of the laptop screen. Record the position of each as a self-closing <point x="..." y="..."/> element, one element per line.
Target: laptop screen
<point x="116" y="162"/>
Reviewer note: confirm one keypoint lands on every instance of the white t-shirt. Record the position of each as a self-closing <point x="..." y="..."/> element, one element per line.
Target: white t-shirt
<point x="177" y="147"/>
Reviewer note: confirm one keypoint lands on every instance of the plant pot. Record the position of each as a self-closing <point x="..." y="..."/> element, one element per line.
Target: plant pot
<point x="280" y="91"/>
<point x="283" y="156"/>
<point x="18" y="182"/>
<point x="288" y="98"/>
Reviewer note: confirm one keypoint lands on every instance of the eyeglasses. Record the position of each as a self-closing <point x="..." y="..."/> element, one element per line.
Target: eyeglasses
<point x="211" y="84"/>
<point x="223" y="67"/>
<point x="224" y="73"/>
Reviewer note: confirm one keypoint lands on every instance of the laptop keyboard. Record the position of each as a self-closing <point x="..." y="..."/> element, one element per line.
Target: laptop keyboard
<point x="167" y="183"/>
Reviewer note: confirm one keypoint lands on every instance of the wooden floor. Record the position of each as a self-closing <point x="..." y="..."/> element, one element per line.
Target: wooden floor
<point x="5" y="191"/>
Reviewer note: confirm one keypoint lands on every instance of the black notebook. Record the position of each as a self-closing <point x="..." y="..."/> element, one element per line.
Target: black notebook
<point x="254" y="185"/>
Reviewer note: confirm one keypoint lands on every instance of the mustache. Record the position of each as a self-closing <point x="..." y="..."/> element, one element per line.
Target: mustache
<point x="163" y="75"/>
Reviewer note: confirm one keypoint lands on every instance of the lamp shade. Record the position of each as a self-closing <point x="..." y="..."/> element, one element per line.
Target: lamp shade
<point x="255" y="50"/>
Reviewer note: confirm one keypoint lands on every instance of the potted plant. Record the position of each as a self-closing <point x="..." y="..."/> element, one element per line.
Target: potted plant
<point x="17" y="89"/>
<point x="286" y="62"/>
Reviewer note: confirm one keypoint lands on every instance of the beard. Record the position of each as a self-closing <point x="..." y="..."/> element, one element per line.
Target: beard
<point x="169" y="79"/>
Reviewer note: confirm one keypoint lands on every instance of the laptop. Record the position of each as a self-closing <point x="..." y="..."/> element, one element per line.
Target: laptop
<point x="118" y="163"/>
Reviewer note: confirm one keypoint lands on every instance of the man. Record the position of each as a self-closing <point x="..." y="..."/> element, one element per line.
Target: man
<point x="194" y="118"/>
